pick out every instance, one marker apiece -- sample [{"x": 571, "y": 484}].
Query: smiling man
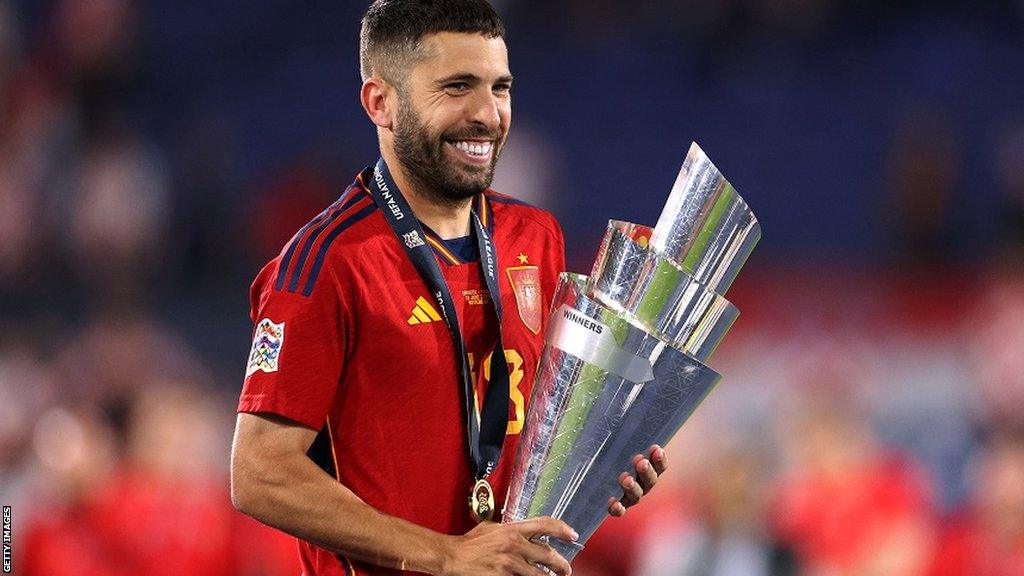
[{"x": 398, "y": 333}]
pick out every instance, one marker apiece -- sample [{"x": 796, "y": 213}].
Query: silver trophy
[{"x": 623, "y": 365}]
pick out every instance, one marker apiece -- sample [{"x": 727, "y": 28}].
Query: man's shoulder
[
  {"x": 513, "y": 211},
  {"x": 336, "y": 234}
]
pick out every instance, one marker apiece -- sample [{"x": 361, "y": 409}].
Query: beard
[{"x": 425, "y": 161}]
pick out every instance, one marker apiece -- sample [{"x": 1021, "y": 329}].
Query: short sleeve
[{"x": 295, "y": 361}]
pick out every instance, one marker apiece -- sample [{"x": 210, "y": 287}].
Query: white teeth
[{"x": 474, "y": 148}]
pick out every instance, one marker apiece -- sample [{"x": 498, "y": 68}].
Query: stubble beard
[{"x": 425, "y": 162}]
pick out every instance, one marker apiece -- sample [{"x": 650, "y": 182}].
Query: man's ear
[{"x": 378, "y": 99}]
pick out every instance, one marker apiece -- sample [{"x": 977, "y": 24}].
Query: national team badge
[
  {"x": 526, "y": 286},
  {"x": 412, "y": 239},
  {"x": 266, "y": 347}
]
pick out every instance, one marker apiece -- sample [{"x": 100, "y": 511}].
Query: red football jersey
[{"x": 349, "y": 341}]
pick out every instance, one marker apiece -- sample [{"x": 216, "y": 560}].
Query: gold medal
[{"x": 481, "y": 501}]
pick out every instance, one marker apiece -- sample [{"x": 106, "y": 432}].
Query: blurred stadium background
[{"x": 153, "y": 154}]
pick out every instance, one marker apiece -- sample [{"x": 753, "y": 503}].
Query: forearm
[
  {"x": 273, "y": 481},
  {"x": 290, "y": 493}
]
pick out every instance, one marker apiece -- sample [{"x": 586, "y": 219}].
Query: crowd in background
[{"x": 871, "y": 417}]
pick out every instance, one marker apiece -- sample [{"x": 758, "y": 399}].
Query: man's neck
[{"x": 448, "y": 219}]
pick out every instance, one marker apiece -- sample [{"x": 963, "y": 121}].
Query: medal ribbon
[{"x": 486, "y": 430}]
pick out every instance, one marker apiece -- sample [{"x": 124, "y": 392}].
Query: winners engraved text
[{"x": 587, "y": 323}]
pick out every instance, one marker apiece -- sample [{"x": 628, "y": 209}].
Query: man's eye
[
  {"x": 502, "y": 88},
  {"x": 458, "y": 86}
]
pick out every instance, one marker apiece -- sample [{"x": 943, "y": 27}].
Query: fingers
[
  {"x": 518, "y": 567},
  {"x": 546, "y": 526},
  {"x": 645, "y": 473},
  {"x": 631, "y": 490},
  {"x": 541, "y": 553},
  {"x": 658, "y": 458},
  {"x": 615, "y": 508},
  {"x": 511, "y": 549},
  {"x": 524, "y": 568}
]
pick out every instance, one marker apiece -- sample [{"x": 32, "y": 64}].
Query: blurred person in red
[
  {"x": 398, "y": 333},
  {"x": 845, "y": 506},
  {"x": 160, "y": 509},
  {"x": 69, "y": 531},
  {"x": 172, "y": 511},
  {"x": 987, "y": 539}
]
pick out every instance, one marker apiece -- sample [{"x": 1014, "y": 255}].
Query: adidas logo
[{"x": 423, "y": 313}]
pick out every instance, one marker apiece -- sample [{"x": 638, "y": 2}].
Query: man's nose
[{"x": 486, "y": 109}]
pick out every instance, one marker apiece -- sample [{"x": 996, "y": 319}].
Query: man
[{"x": 398, "y": 334}]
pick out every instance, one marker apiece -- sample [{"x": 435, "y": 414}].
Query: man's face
[{"x": 454, "y": 114}]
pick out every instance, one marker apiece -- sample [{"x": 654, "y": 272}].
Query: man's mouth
[{"x": 473, "y": 151}]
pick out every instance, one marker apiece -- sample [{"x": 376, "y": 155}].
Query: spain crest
[
  {"x": 526, "y": 286},
  {"x": 266, "y": 347}
]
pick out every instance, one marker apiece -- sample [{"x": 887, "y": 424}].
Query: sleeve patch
[{"x": 266, "y": 347}]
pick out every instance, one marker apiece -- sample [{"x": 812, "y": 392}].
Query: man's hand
[
  {"x": 507, "y": 549},
  {"x": 647, "y": 472}
]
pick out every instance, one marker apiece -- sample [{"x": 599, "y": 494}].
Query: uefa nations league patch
[{"x": 266, "y": 347}]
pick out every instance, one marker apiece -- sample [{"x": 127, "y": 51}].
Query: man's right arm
[{"x": 274, "y": 481}]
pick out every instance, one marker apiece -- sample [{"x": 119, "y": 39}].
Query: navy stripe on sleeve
[
  {"x": 282, "y": 268},
  {"x": 294, "y": 283},
  {"x": 322, "y": 252}
]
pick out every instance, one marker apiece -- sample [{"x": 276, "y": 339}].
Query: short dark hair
[{"x": 392, "y": 29}]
